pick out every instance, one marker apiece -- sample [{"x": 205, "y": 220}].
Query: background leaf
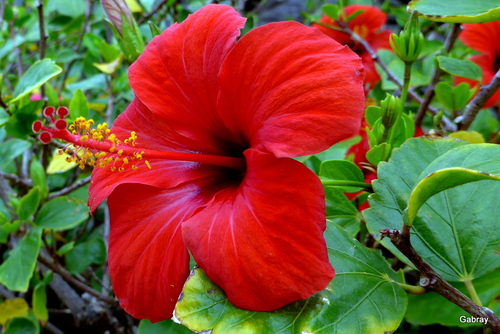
[
  {"x": 16, "y": 271},
  {"x": 460, "y": 68},
  {"x": 62, "y": 213},
  {"x": 39, "y": 73}
]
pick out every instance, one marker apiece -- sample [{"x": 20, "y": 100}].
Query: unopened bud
[
  {"x": 124, "y": 28},
  {"x": 391, "y": 109},
  {"x": 410, "y": 42}
]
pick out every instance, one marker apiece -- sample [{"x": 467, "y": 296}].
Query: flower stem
[
  {"x": 413, "y": 289},
  {"x": 406, "y": 82}
]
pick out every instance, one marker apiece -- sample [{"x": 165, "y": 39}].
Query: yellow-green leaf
[
  {"x": 111, "y": 67},
  {"x": 12, "y": 308}
]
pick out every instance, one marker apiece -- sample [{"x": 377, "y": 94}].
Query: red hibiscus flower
[
  {"x": 483, "y": 38},
  {"x": 367, "y": 25},
  {"x": 200, "y": 161}
]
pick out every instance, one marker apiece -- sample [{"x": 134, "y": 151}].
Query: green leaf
[
  {"x": 22, "y": 325},
  {"x": 62, "y": 213},
  {"x": 84, "y": 254},
  {"x": 19, "y": 125},
  {"x": 39, "y": 302},
  {"x": 341, "y": 170},
  {"x": 16, "y": 271},
  {"x": 66, "y": 248},
  {"x": 372, "y": 113},
  {"x": 11, "y": 149},
  {"x": 332, "y": 11},
  {"x": 455, "y": 230},
  {"x": 460, "y": 68},
  {"x": 444, "y": 94},
  {"x": 155, "y": 31},
  {"x": 432, "y": 308},
  {"x": 28, "y": 205},
  {"x": 162, "y": 327},
  {"x": 4, "y": 117},
  {"x": 79, "y": 107},
  {"x": 52, "y": 95},
  {"x": 457, "y": 11},
  {"x": 378, "y": 153},
  {"x": 439, "y": 181},
  {"x": 341, "y": 211},
  {"x": 38, "y": 177},
  {"x": 39, "y": 73},
  {"x": 362, "y": 298}
]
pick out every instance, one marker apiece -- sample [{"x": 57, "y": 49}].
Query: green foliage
[
  {"x": 457, "y": 11},
  {"x": 62, "y": 213},
  {"x": 39, "y": 73},
  {"x": 460, "y": 68},
  {"x": 454, "y": 230},
  {"x": 17, "y": 270}
]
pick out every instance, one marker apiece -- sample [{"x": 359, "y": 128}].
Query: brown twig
[
  {"x": 88, "y": 14},
  {"x": 67, "y": 190},
  {"x": 485, "y": 92},
  {"x": 433, "y": 282},
  {"x": 73, "y": 281},
  {"x": 43, "y": 37},
  {"x": 16, "y": 179},
  {"x": 436, "y": 75}
]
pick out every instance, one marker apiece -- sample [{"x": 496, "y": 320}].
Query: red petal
[
  {"x": 148, "y": 261},
  {"x": 176, "y": 76},
  {"x": 154, "y": 134},
  {"x": 371, "y": 17},
  {"x": 482, "y": 37},
  {"x": 262, "y": 241},
  {"x": 295, "y": 90},
  {"x": 341, "y": 37}
]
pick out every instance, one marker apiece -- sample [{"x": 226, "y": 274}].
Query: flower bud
[
  {"x": 410, "y": 42},
  {"x": 391, "y": 109},
  {"x": 124, "y": 28}
]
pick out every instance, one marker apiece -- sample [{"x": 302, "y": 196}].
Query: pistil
[{"x": 101, "y": 148}]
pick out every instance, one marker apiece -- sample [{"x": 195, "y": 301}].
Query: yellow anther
[
  {"x": 147, "y": 164},
  {"x": 120, "y": 152},
  {"x": 113, "y": 168},
  {"x": 125, "y": 161},
  {"x": 112, "y": 149},
  {"x": 121, "y": 169},
  {"x": 134, "y": 167},
  {"x": 84, "y": 138}
]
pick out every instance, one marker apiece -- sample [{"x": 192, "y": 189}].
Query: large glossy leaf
[
  {"x": 457, "y": 11},
  {"x": 441, "y": 180},
  {"x": 16, "y": 271},
  {"x": 62, "y": 213},
  {"x": 455, "y": 231},
  {"x": 362, "y": 298},
  {"x": 39, "y": 73}
]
